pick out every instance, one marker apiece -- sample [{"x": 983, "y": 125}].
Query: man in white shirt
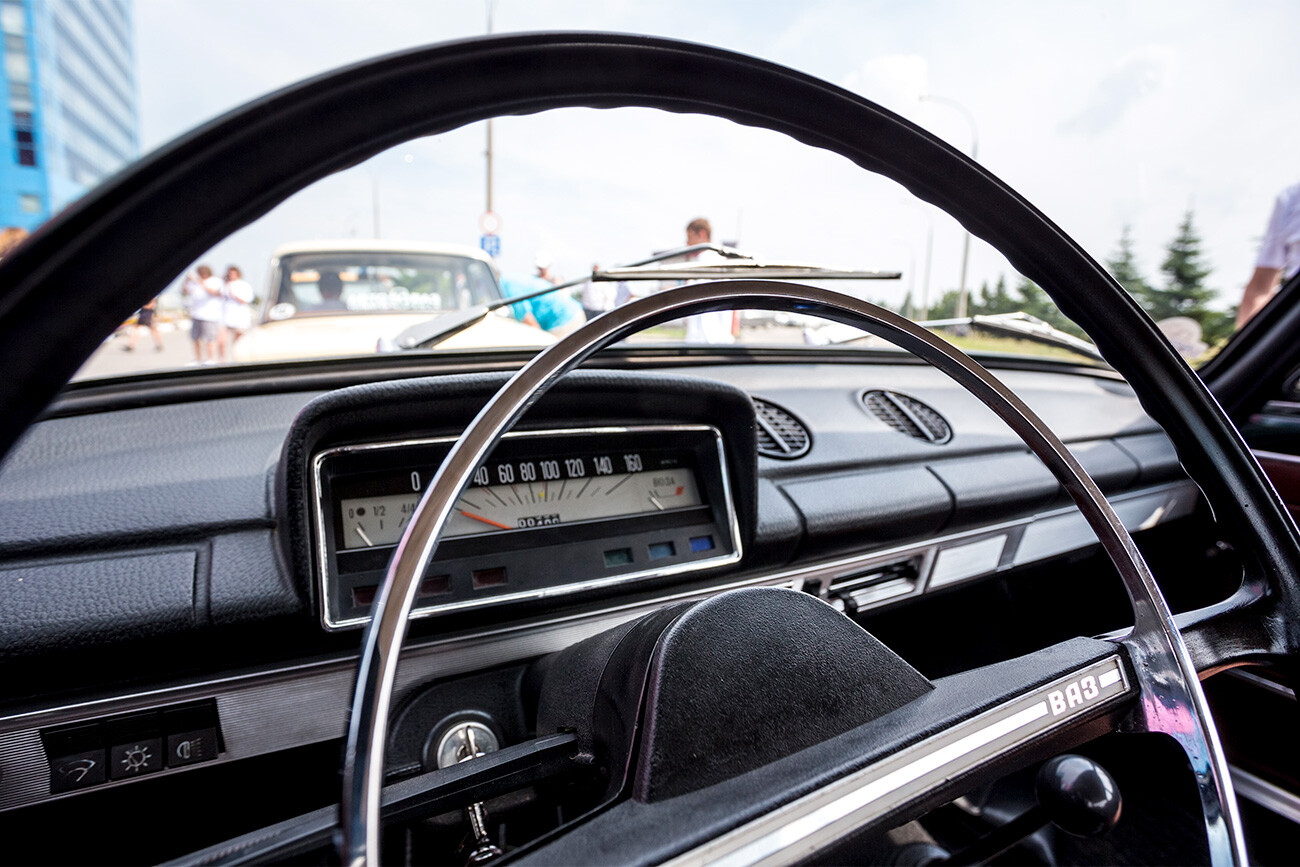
[
  {"x": 717, "y": 326},
  {"x": 202, "y": 293},
  {"x": 1279, "y": 255}
]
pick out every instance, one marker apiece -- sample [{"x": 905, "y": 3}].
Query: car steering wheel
[{"x": 245, "y": 163}]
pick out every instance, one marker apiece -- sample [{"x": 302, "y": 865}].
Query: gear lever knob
[{"x": 1078, "y": 795}]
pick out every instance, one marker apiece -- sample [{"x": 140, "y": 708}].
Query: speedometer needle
[{"x": 486, "y": 520}]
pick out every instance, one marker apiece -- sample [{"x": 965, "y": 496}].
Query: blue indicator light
[{"x": 701, "y": 543}]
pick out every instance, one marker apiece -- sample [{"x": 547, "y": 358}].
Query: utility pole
[{"x": 962, "y": 294}]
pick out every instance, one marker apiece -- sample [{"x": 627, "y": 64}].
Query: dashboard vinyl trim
[{"x": 294, "y": 705}]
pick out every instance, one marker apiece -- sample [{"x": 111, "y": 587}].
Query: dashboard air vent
[
  {"x": 780, "y": 435},
  {"x": 908, "y": 415}
]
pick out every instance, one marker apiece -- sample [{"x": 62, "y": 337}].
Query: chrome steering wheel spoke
[{"x": 1168, "y": 689}]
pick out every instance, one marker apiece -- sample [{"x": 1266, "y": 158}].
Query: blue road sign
[{"x": 491, "y": 244}]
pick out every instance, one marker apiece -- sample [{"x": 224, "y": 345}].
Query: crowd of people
[{"x": 220, "y": 311}]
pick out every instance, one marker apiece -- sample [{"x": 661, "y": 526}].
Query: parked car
[
  {"x": 329, "y": 298},
  {"x": 722, "y": 604}
]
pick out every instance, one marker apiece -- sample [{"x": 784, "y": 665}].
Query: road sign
[
  {"x": 489, "y": 223},
  {"x": 491, "y": 244}
]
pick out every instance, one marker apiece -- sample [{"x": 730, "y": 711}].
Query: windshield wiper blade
[
  {"x": 729, "y": 270},
  {"x": 1019, "y": 324}
]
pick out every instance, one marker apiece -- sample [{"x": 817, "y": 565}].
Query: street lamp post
[
  {"x": 962, "y": 293},
  {"x": 488, "y": 152}
]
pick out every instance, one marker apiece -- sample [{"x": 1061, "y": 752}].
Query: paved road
[{"x": 111, "y": 359}]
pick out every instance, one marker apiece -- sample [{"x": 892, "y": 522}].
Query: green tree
[
  {"x": 1037, "y": 303},
  {"x": 1124, "y": 268},
  {"x": 945, "y": 307},
  {"x": 999, "y": 300},
  {"x": 1184, "y": 292}
]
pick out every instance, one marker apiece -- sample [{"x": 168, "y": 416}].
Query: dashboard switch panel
[{"x": 123, "y": 748}]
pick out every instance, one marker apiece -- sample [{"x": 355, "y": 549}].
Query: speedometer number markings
[{"x": 529, "y": 493}]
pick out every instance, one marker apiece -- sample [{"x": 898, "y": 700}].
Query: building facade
[{"x": 68, "y": 89}]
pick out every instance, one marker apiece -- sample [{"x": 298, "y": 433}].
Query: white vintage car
[{"x": 329, "y": 298}]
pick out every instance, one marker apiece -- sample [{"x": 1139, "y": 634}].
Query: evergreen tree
[
  {"x": 999, "y": 300},
  {"x": 1184, "y": 292},
  {"x": 1123, "y": 267},
  {"x": 946, "y": 306},
  {"x": 1036, "y": 302}
]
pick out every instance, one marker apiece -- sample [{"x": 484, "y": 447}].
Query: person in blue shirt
[{"x": 557, "y": 313}]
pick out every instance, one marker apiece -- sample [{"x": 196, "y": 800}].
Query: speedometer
[
  {"x": 546, "y": 513},
  {"x": 527, "y": 494}
]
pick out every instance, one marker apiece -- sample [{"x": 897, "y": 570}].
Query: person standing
[
  {"x": 556, "y": 313},
  {"x": 1279, "y": 255},
  {"x": 717, "y": 326},
  {"x": 202, "y": 293},
  {"x": 236, "y": 309},
  {"x": 145, "y": 319},
  {"x": 597, "y": 295}
]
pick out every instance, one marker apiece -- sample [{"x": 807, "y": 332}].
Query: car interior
[{"x": 615, "y": 602}]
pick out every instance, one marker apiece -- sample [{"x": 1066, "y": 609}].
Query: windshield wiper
[
  {"x": 425, "y": 335},
  {"x": 1021, "y": 324},
  {"x": 1018, "y": 324}
]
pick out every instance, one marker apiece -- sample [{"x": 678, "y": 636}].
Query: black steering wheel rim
[{"x": 104, "y": 257}]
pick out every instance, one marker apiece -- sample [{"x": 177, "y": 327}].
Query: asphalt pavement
[{"x": 112, "y": 359}]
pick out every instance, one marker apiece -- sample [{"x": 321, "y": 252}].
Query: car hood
[{"x": 326, "y": 335}]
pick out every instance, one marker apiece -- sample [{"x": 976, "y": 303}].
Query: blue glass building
[{"x": 68, "y": 89}]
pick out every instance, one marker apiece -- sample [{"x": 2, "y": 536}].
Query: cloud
[{"x": 1137, "y": 75}]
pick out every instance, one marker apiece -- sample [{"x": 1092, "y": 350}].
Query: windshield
[
  {"x": 371, "y": 281},
  {"x": 1119, "y": 134}
]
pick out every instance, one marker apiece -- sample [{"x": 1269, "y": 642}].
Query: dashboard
[{"x": 193, "y": 573}]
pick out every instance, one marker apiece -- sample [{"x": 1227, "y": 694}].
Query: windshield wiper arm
[
  {"x": 1022, "y": 325},
  {"x": 1019, "y": 324},
  {"x": 424, "y": 335}
]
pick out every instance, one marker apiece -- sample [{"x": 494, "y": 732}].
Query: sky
[{"x": 1103, "y": 114}]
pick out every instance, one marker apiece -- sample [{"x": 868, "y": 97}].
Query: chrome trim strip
[
  {"x": 330, "y": 624},
  {"x": 1267, "y": 795},
  {"x": 808, "y": 825},
  {"x": 1263, "y": 683}
]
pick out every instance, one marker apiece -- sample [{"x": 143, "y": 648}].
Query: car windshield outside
[
  {"x": 332, "y": 282},
  {"x": 1114, "y": 135}
]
